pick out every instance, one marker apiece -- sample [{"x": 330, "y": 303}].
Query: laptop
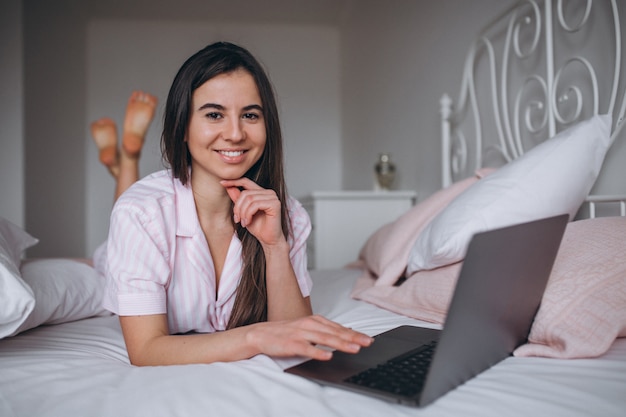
[{"x": 497, "y": 295}]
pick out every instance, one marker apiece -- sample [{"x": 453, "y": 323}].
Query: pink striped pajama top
[{"x": 158, "y": 260}]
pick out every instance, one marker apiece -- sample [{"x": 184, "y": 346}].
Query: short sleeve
[
  {"x": 137, "y": 267},
  {"x": 300, "y": 231}
]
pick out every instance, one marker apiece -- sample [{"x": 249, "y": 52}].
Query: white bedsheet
[{"x": 81, "y": 369}]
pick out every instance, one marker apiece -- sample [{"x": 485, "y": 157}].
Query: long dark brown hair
[{"x": 215, "y": 59}]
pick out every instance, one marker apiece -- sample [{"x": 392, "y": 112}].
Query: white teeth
[{"x": 231, "y": 153}]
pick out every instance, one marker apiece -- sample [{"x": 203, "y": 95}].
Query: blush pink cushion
[
  {"x": 425, "y": 295},
  {"x": 583, "y": 308},
  {"x": 386, "y": 252}
]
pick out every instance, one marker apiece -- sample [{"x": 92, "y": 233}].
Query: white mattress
[{"x": 81, "y": 369}]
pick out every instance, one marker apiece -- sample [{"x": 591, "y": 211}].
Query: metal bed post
[{"x": 445, "y": 108}]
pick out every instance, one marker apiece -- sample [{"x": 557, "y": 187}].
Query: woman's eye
[
  {"x": 214, "y": 115},
  {"x": 251, "y": 116}
]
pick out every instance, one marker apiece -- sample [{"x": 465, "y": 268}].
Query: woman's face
[{"x": 226, "y": 134}]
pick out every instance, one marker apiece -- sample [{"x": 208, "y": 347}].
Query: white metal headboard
[{"x": 531, "y": 72}]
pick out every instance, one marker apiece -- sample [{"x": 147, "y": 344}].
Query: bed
[{"x": 61, "y": 354}]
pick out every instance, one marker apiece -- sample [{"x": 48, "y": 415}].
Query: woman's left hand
[{"x": 256, "y": 209}]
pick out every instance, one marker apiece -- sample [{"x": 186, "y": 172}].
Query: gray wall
[
  {"x": 353, "y": 77},
  {"x": 54, "y": 118},
  {"x": 398, "y": 61},
  {"x": 11, "y": 113}
]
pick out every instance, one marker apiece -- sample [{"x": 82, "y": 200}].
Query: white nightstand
[{"x": 344, "y": 220}]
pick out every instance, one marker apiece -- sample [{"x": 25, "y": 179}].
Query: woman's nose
[{"x": 234, "y": 130}]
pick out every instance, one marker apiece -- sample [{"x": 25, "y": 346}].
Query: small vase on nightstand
[{"x": 385, "y": 171}]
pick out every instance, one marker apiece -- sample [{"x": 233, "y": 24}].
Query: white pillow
[
  {"x": 14, "y": 241},
  {"x": 16, "y": 297},
  {"x": 550, "y": 179},
  {"x": 64, "y": 290}
]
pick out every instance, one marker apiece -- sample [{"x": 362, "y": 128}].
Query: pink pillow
[
  {"x": 425, "y": 295},
  {"x": 386, "y": 252},
  {"x": 583, "y": 308}
]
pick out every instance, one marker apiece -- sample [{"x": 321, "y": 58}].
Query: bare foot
[
  {"x": 104, "y": 133},
  {"x": 139, "y": 114}
]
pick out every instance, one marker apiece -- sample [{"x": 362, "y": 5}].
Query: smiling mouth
[{"x": 231, "y": 154}]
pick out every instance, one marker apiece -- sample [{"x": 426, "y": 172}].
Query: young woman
[{"x": 206, "y": 261}]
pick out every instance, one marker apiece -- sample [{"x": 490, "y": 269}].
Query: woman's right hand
[{"x": 305, "y": 337}]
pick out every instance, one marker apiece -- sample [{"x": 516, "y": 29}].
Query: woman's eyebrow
[
  {"x": 211, "y": 106},
  {"x": 220, "y": 107},
  {"x": 253, "y": 107}
]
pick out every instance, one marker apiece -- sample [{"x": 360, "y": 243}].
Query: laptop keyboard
[{"x": 402, "y": 375}]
